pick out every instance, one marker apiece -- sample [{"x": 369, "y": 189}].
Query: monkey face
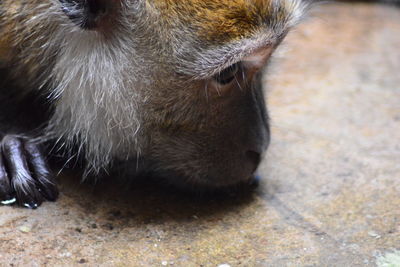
[
  {"x": 208, "y": 125},
  {"x": 209, "y": 132},
  {"x": 176, "y": 84},
  {"x": 215, "y": 133}
]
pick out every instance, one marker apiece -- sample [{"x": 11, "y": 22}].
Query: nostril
[{"x": 254, "y": 157}]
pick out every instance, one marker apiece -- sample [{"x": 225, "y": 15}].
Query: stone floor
[{"x": 330, "y": 194}]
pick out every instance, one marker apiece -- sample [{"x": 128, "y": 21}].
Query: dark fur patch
[{"x": 85, "y": 13}]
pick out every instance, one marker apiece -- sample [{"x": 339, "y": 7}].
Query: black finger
[
  {"x": 6, "y": 193},
  {"x": 41, "y": 171},
  {"x": 24, "y": 185}
]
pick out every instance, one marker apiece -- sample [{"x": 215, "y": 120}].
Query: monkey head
[{"x": 173, "y": 84}]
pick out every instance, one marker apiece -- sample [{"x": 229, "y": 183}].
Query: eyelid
[
  {"x": 258, "y": 58},
  {"x": 231, "y": 70}
]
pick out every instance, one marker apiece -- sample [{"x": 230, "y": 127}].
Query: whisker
[
  {"x": 217, "y": 89},
  {"x": 206, "y": 90},
  {"x": 238, "y": 83}
]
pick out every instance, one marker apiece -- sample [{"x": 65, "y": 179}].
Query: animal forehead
[{"x": 224, "y": 20}]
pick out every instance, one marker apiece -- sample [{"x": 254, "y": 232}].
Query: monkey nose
[
  {"x": 254, "y": 158},
  {"x": 250, "y": 164}
]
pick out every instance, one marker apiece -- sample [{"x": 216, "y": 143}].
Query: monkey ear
[{"x": 88, "y": 14}]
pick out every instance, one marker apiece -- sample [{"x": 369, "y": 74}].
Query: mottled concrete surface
[{"x": 330, "y": 194}]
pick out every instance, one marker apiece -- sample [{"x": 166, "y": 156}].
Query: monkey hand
[{"x": 25, "y": 177}]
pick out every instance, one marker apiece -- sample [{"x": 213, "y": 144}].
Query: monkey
[{"x": 170, "y": 87}]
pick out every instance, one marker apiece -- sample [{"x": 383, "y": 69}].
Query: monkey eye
[{"x": 227, "y": 75}]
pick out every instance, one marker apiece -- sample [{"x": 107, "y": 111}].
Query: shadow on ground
[{"x": 148, "y": 199}]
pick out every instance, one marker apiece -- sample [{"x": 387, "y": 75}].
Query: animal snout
[
  {"x": 249, "y": 164},
  {"x": 242, "y": 168},
  {"x": 253, "y": 158}
]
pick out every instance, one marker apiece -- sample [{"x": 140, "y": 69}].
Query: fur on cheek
[{"x": 96, "y": 90}]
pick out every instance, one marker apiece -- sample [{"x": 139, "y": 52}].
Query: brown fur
[{"x": 221, "y": 21}]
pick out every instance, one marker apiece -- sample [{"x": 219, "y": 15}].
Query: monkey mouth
[{"x": 204, "y": 186}]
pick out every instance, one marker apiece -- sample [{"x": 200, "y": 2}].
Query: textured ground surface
[{"x": 330, "y": 194}]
